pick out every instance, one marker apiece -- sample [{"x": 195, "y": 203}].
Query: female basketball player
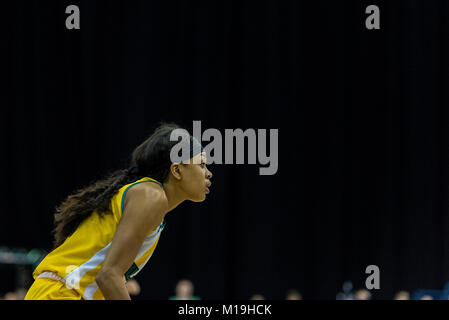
[{"x": 106, "y": 232}]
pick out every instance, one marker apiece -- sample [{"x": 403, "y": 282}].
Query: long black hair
[{"x": 150, "y": 159}]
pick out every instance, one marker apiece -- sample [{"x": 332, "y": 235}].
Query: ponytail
[{"x": 83, "y": 202}]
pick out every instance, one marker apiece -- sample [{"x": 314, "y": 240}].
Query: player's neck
[{"x": 173, "y": 196}]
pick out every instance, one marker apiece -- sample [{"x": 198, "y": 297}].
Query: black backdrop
[{"x": 363, "y": 134}]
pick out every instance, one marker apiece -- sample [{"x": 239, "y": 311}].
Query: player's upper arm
[{"x": 144, "y": 210}]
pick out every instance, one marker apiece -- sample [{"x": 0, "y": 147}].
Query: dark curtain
[{"x": 363, "y": 134}]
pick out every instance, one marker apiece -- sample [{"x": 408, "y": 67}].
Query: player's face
[{"x": 196, "y": 178}]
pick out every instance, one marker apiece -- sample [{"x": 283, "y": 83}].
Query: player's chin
[{"x": 200, "y": 197}]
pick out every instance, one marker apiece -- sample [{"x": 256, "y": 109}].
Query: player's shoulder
[{"x": 148, "y": 194}]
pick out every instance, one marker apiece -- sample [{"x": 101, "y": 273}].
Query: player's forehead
[{"x": 199, "y": 158}]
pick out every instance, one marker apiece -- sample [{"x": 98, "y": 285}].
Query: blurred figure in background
[
  {"x": 347, "y": 293},
  {"x": 19, "y": 294},
  {"x": 257, "y": 296},
  {"x": 362, "y": 294},
  {"x": 184, "y": 291},
  {"x": 133, "y": 287},
  {"x": 293, "y": 294},
  {"x": 402, "y": 295}
]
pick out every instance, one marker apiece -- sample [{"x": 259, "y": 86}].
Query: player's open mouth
[{"x": 207, "y": 190}]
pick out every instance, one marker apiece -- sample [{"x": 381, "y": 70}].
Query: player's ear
[{"x": 175, "y": 169}]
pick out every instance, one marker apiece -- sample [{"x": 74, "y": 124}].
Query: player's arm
[{"x": 144, "y": 210}]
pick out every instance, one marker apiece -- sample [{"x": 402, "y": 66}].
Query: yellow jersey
[{"x": 80, "y": 257}]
